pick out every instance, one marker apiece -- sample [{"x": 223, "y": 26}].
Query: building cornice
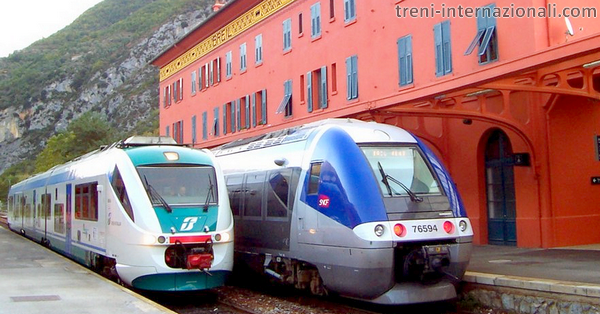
[{"x": 245, "y": 21}]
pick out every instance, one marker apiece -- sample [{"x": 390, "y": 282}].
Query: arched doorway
[{"x": 500, "y": 190}]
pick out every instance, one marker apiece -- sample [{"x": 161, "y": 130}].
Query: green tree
[
  {"x": 14, "y": 174},
  {"x": 56, "y": 151},
  {"x": 83, "y": 135}
]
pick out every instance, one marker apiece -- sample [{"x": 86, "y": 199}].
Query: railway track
[
  {"x": 238, "y": 300},
  {"x": 261, "y": 300}
]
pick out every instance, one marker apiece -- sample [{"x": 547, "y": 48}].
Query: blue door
[{"x": 500, "y": 190}]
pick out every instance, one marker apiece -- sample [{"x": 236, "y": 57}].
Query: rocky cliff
[{"x": 125, "y": 90}]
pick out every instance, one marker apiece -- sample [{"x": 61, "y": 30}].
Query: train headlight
[
  {"x": 171, "y": 156},
  {"x": 462, "y": 225},
  {"x": 148, "y": 239},
  {"x": 222, "y": 237},
  {"x": 379, "y": 230},
  {"x": 161, "y": 239}
]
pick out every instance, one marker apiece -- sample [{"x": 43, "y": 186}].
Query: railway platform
[
  {"x": 34, "y": 279},
  {"x": 557, "y": 280}
]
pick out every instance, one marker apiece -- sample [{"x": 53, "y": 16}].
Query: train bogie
[{"x": 367, "y": 212}]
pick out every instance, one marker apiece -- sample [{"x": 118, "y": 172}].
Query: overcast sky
[{"x": 22, "y": 22}]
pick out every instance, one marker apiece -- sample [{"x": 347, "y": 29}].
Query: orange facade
[{"x": 510, "y": 104}]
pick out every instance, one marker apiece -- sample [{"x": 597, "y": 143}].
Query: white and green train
[{"x": 151, "y": 213}]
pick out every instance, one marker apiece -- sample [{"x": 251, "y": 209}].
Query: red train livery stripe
[{"x": 190, "y": 239}]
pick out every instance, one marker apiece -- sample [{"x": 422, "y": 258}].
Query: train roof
[
  {"x": 58, "y": 172},
  {"x": 356, "y": 129}
]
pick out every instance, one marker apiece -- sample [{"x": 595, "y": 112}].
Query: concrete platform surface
[
  {"x": 574, "y": 271},
  {"x": 34, "y": 279}
]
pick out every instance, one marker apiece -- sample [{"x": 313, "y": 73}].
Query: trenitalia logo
[
  {"x": 188, "y": 223},
  {"x": 512, "y": 11}
]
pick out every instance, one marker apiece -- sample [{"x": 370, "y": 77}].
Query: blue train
[
  {"x": 358, "y": 209},
  {"x": 150, "y": 213}
]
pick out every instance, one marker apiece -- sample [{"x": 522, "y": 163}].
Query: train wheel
[{"x": 316, "y": 285}]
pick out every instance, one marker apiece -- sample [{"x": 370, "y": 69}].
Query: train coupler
[
  {"x": 437, "y": 257},
  {"x": 196, "y": 260}
]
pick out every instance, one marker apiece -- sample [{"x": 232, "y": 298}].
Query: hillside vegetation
[
  {"x": 96, "y": 65},
  {"x": 100, "y": 37}
]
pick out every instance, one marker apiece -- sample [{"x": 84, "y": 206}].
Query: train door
[
  {"x": 278, "y": 196},
  {"x": 307, "y": 217},
  {"x": 500, "y": 186},
  {"x": 46, "y": 201},
  {"x": 68, "y": 219},
  {"x": 19, "y": 203}
]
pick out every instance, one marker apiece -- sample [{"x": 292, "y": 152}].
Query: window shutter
[
  {"x": 211, "y": 73},
  {"x": 204, "y": 126},
  {"x": 180, "y": 88},
  {"x": 233, "y": 114},
  {"x": 224, "y": 119},
  {"x": 247, "y": 111},
  {"x": 346, "y": 10},
  {"x": 323, "y": 96},
  {"x": 349, "y": 78},
  {"x": 439, "y": 58},
  {"x": 354, "y": 60},
  {"x": 405, "y": 60},
  {"x": 263, "y": 100},
  {"x": 254, "y": 118},
  {"x": 207, "y": 75},
  {"x": 216, "y": 121},
  {"x": 194, "y": 129},
  {"x": 309, "y": 98},
  {"x": 447, "y": 48},
  {"x": 409, "y": 63},
  {"x": 238, "y": 114}
]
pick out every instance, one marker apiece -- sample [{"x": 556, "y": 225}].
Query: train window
[
  {"x": 403, "y": 164},
  {"x": 254, "y": 194},
  {"x": 86, "y": 201},
  {"x": 278, "y": 189},
  {"x": 46, "y": 200},
  {"x": 121, "y": 192},
  {"x": 180, "y": 185},
  {"x": 28, "y": 211},
  {"x": 20, "y": 204},
  {"x": 313, "y": 180},
  {"x": 59, "y": 218},
  {"x": 234, "y": 186}
]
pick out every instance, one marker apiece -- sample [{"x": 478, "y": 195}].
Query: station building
[{"x": 508, "y": 100}]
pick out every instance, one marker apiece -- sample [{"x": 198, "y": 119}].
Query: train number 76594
[{"x": 425, "y": 228}]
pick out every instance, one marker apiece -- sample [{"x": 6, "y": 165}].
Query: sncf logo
[
  {"x": 323, "y": 201},
  {"x": 188, "y": 223}
]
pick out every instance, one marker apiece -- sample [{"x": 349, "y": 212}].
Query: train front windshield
[
  {"x": 179, "y": 185},
  {"x": 401, "y": 170}
]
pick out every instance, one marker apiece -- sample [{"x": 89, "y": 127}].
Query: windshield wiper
[
  {"x": 209, "y": 195},
  {"x": 155, "y": 196},
  {"x": 386, "y": 177}
]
